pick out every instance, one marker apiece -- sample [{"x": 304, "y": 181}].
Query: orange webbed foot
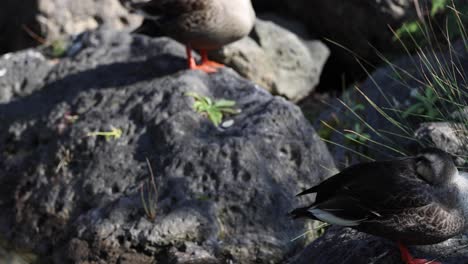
[
  {"x": 206, "y": 65},
  {"x": 408, "y": 259},
  {"x": 213, "y": 64},
  {"x": 208, "y": 62},
  {"x": 202, "y": 67}
]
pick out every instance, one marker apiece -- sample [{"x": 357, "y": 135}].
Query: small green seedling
[
  {"x": 357, "y": 134},
  {"x": 69, "y": 118},
  {"x": 313, "y": 231},
  {"x": 115, "y": 133},
  {"x": 425, "y": 105},
  {"x": 149, "y": 195},
  {"x": 58, "y": 48},
  {"x": 213, "y": 109}
]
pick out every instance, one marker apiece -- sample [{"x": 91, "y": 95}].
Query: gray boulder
[
  {"x": 22, "y": 73},
  {"x": 278, "y": 59},
  {"x": 448, "y": 136},
  {"x": 223, "y": 194}
]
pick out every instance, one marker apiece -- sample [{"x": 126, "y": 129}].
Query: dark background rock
[
  {"x": 360, "y": 26},
  {"x": 223, "y": 193},
  {"x": 13, "y": 15},
  {"x": 347, "y": 246},
  {"x": 27, "y": 23},
  {"x": 392, "y": 89}
]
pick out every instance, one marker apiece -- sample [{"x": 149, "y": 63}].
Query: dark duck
[
  {"x": 199, "y": 24},
  {"x": 416, "y": 200}
]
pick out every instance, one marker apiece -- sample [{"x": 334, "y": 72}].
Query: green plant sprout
[
  {"x": 425, "y": 105},
  {"x": 149, "y": 195},
  {"x": 417, "y": 29},
  {"x": 313, "y": 231},
  {"x": 69, "y": 118},
  {"x": 58, "y": 48},
  {"x": 357, "y": 134},
  {"x": 115, "y": 133},
  {"x": 213, "y": 109}
]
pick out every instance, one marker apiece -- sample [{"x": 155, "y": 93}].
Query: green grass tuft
[{"x": 433, "y": 82}]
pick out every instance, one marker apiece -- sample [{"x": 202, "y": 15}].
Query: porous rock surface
[
  {"x": 223, "y": 193},
  {"x": 278, "y": 59}
]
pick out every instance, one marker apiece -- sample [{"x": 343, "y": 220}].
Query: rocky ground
[
  {"x": 222, "y": 192},
  {"x": 70, "y": 194}
]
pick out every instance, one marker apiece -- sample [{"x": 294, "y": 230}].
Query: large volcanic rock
[
  {"x": 223, "y": 193},
  {"x": 278, "y": 59}
]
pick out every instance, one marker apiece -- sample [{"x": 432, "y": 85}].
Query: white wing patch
[
  {"x": 461, "y": 181},
  {"x": 328, "y": 217}
]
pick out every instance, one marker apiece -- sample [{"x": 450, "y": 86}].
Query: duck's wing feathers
[{"x": 367, "y": 191}]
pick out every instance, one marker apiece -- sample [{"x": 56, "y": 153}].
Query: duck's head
[{"x": 436, "y": 166}]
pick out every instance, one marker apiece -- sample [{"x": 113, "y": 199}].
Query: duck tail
[
  {"x": 314, "y": 189},
  {"x": 302, "y": 212}
]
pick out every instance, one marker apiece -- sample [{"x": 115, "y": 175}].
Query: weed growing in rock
[
  {"x": 418, "y": 31},
  {"x": 214, "y": 110},
  {"x": 314, "y": 230},
  {"x": 425, "y": 105},
  {"x": 58, "y": 48},
  {"x": 54, "y": 49},
  {"x": 115, "y": 133},
  {"x": 67, "y": 119},
  {"x": 149, "y": 195}
]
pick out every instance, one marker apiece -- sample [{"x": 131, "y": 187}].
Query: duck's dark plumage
[
  {"x": 414, "y": 200},
  {"x": 199, "y": 24},
  {"x": 202, "y": 24}
]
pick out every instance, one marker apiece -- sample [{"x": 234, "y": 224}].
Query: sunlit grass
[{"x": 435, "y": 84}]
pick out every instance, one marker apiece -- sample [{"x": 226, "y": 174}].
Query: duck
[
  {"x": 414, "y": 200},
  {"x": 203, "y": 25}
]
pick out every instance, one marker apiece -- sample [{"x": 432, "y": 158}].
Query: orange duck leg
[{"x": 408, "y": 259}]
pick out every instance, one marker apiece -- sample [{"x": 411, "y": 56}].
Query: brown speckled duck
[
  {"x": 199, "y": 24},
  {"x": 416, "y": 200}
]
